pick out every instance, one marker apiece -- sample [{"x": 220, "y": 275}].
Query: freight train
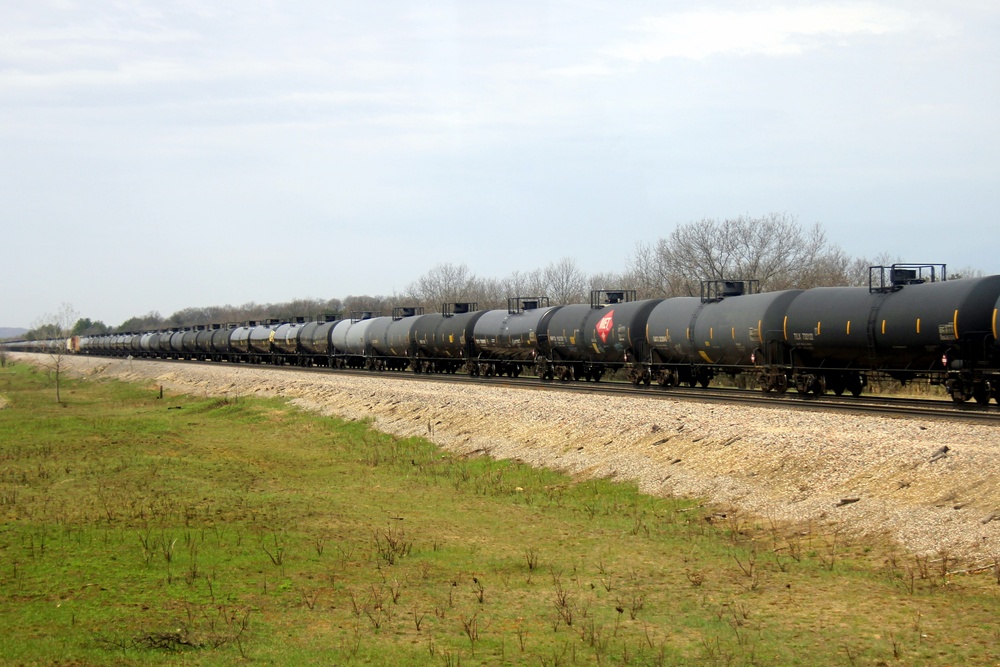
[{"x": 909, "y": 323}]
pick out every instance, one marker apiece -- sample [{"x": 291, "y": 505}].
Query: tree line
[{"x": 774, "y": 249}]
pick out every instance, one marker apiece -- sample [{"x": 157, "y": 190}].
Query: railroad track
[{"x": 885, "y": 406}]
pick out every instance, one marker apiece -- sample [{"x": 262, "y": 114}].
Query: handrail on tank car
[
  {"x": 599, "y": 298},
  {"x": 459, "y": 308},
  {"x": 717, "y": 290},
  {"x": 519, "y": 304},
  {"x": 399, "y": 312},
  {"x": 896, "y": 276}
]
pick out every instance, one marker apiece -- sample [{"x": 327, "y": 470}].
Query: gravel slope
[{"x": 777, "y": 464}]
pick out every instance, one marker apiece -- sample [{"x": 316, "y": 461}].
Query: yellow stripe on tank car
[
  {"x": 994, "y": 323},
  {"x": 918, "y": 325},
  {"x": 848, "y": 327},
  {"x": 760, "y": 334},
  {"x": 955, "y": 322},
  {"x": 734, "y": 333},
  {"x": 883, "y": 327},
  {"x": 785, "y": 327},
  {"x": 705, "y": 356},
  {"x": 819, "y": 326}
]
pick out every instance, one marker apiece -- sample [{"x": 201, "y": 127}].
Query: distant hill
[{"x": 11, "y": 332}]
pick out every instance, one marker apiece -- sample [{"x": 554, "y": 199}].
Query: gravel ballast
[{"x": 781, "y": 465}]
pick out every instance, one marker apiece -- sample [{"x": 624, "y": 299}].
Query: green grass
[{"x": 193, "y": 530}]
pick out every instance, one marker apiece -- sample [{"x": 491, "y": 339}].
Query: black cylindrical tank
[
  {"x": 518, "y": 335},
  {"x": 261, "y": 337},
  {"x": 618, "y": 331},
  {"x": 203, "y": 341},
  {"x": 399, "y": 337},
  {"x": 905, "y": 328},
  {"x": 239, "y": 339},
  {"x": 286, "y": 337},
  {"x": 220, "y": 340},
  {"x": 189, "y": 343},
  {"x": 566, "y": 331},
  {"x": 315, "y": 337},
  {"x": 354, "y": 337},
  {"x": 145, "y": 341},
  {"x": 669, "y": 330},
  {"x": 728, "y": 331},
  {"x": 338, "y": 335},
  {"x": 176, "y": 344},
  {"x": 373, "y": 336},
  {"x": 156, "y": 343},
  {"x": 447, "y": 335}
]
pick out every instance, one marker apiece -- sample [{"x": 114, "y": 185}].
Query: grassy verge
[{"x": 205, "y": 531}]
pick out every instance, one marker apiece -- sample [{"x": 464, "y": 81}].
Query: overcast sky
[{"x": 155, "y": 156}]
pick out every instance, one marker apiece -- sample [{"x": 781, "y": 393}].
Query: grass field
[{"x": 136, "y": 530}]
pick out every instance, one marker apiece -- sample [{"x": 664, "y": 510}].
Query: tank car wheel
[{"x": 981, "y": 393}]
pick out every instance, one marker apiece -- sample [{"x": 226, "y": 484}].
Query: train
[{"x": 910, "y": 323}]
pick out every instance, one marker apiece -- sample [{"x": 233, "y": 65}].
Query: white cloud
[{"x": 777, "y": 31}]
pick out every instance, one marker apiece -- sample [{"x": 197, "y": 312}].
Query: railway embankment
[{"x": 931, "y": 485}]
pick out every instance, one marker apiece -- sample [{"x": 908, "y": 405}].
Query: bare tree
[
  {"x": 565, "y": 282},
  {"x": 364, "y": 302},
  {"x": 445, "y": 283},
  {"x": 773, "y": 249},
  {"x": 59, "y": 325},
  {"x": 966, "y": 272}
]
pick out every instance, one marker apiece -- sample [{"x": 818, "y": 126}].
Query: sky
[{"x": 158, "y": 156}]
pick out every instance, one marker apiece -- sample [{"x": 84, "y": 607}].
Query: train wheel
[{"x": 981, "y": 393}]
